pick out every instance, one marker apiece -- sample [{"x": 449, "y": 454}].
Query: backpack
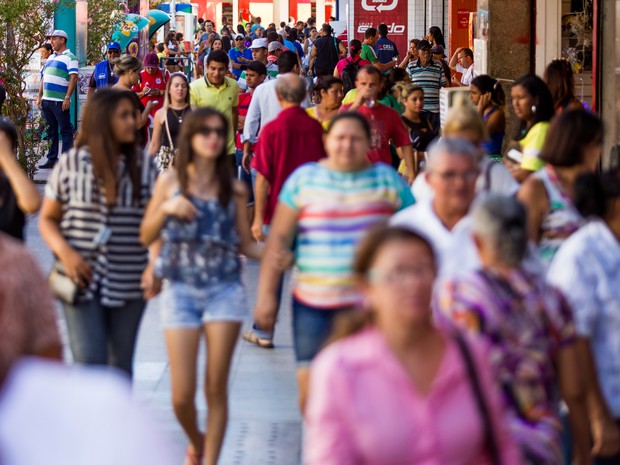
[{"x": 348, "y": 75}]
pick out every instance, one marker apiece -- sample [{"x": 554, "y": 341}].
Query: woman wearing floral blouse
[{"x": 530, "y": 330}]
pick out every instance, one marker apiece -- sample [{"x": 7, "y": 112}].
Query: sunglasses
[
  {"x": 208, "y": 130},
  {"x": 114, "y": 52},
  {"x": 239, "y": 38}
]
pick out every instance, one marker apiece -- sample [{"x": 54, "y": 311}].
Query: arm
[
  {"x": 605, "y": 432},
  {"x": 497, "y": 122},
  {"x": 534, "y": 198},
  {"x": 27, "y": 195},
  {"x": 279, "y": 242},
  {"x": 573, "y": 391},
  {"x": 235, "y": 116},
  {"x": 158, "y": 129},
  {"x": 406, "y": 152},
  {"x": 384, "y": 66},
  {"x": 40, "y": 96},
  {"x": 336, "y": 72},
  {"x": 261, "y": 190},
  {"x": 312, "y": 58},
  {"x": 248, "y": 246},
  {"x": 252, "y": 121},
  {"x": 72, "y": 83},
  {"x": 455, "y": 57}
]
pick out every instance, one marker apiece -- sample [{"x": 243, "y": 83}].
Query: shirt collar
[{"x": 211, "y": 85}]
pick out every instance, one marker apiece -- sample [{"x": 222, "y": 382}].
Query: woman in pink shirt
[{"x": 396, "y": 391}]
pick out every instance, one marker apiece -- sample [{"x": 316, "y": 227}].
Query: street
[{"x": 264, "y": 426}]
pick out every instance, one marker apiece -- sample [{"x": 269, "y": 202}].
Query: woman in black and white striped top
[{"x": 94, "y": 203}]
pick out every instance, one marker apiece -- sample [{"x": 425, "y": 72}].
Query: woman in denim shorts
[
  {"x": 329, "y": 206},
  {"x": 199, "y": 215}
]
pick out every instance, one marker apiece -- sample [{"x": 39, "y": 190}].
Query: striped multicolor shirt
[
  {"x": 335, "y": 210},
  {"x": 56, "y": 75},
  {"x": 430, "y": 78}
]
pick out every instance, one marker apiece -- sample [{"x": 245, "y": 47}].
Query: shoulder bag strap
[
  {"x": 168, "y": 131},
  {"x": 483, "y": 408}
]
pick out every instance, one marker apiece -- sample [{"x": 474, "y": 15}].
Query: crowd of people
[{"x": 455, "y": 297}]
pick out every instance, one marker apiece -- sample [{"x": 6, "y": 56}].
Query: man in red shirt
[
  {"x": 385, "y": 122},
  {"x": 290, "y": 140},
  {"x": 255, "y": 74},
  {"x": 152, "y": 84}
]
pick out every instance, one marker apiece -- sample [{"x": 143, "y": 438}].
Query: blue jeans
[
  {"x": 244, "y": 176},
  {"x": 57, "y": 119},
  {"x": 101, "y": 335}
]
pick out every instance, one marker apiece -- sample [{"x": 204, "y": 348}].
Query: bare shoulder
[{"x": 532, "y": 191}]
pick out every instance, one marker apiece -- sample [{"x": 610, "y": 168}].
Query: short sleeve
[
  {"x": 262, "y": 159},
  {"x": 235, "y": 100},
  {"x": 400, "y": 135},
  {"x": 405, "y": 195},
  {"x": 443, "y": 82},
  {"x": 289, "y": 195},
  {"x": 532, "y": 145},
  {"x": 57, "y": 187},
  {"x": 194, "y": 97},
  {"x": 73, "y": 65}
]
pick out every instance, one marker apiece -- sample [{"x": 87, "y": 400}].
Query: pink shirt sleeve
[
  {"x": 508, "y": 449},
  {"x": 328, "y": 439}
]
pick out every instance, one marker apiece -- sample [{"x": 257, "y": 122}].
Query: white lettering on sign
[
  {"x": 379, "y": 5},
  {"x": 396, "y": 29}
]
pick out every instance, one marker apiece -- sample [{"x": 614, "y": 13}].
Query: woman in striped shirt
[
  {"x": 94, "y": 203},
  {"x": 329, "y": 205}
]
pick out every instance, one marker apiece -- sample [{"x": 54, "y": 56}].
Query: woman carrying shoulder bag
[
  {"x": 168, "y": 121},
  {"x": 90, "y": 219}
]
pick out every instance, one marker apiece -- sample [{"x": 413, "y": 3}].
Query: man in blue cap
[{"x": 104, "y": 76}]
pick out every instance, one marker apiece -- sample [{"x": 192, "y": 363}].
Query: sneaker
[
  {"x": 49, "y": 164},
  {"x": 252, "y": 337}
]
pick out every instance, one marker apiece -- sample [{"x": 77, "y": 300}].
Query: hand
[
  {"x": 6, "y": 149},
  {"x": 257, "y": 229},
  {"x": 146, "y": 90},
  {"x": 246, "y": 161},
  {"x": 66, "y": 104},
  {"x": 180, "y": 207},
  {"x": 606, "y": 438},
  {"x": 76, "y": 268},
  {"x": 151, "y": 284},
  {"x": 484, "y": 101},
  {"x": 39, "y": 102},
  {"x": 410, "y": 178},
  {"x": 265, "y": 312}
]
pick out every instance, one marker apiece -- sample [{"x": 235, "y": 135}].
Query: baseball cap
[
  {"x": 424, "y": 44},
  {"x": 255, "y": 66},
  {"x": 114, "y": 46},
  {"x": 259, "y": 43},
  {"x": 275, "y": 45},
  {"x": 437, "y": 50},
  {"x": 239, "y": 36},
  {"x": 59, "y": 33},
  {"x": 151, "y": 60}
]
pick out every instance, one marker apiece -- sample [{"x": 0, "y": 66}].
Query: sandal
[{"x": 252, "y": 337}]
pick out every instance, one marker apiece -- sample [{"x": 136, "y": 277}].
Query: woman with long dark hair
[
  {"x": 198, "y": 213},
  {"x": 488, "y": 96},
  {"x": 532, "y": 104},
  {"x": 573, "y": 147},
  {"x": 560, "y": 80},
  {"x": 328, "y": 95},
  {"x": 18, "y": 195},
  {"x": 392, "y": 388},
  {"x": 94, "y": 203},
  {"x": 435, "y": 36},
  {"x": 168, "y": 121}
]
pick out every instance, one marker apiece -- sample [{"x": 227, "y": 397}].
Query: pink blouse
[{"x": 363, "y": 409}]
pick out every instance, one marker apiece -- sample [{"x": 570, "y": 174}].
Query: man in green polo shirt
[
  {"x": 219, "y": 92},
  {"x": 368, "y": 52}
]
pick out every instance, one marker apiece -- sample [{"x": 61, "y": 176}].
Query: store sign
[
  {"x": 463, "y": 19},
  {"x": 371, "y": 13}
]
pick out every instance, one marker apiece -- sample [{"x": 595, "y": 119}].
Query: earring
[{"x": 533, "y": 108}]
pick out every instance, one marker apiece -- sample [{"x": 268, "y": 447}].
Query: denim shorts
[
  {"x": 312, "y": 327},
  {"x": 186, "y": 306}
]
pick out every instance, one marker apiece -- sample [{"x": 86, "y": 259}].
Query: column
[
  {"x": 548, "y": 33},
  {"x": 320, "y": 13}
]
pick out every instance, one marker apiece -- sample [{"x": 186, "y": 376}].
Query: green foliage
[
  {"x": 103, "y": 17},
  {"x": 23, "y": 24}
]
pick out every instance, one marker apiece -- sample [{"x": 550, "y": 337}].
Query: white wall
[{"x": 548, "y": 33}]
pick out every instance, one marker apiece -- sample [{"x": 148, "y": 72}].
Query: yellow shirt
[
  {"x": 224, "y": 99},
  {"x": 531, "y": 146},
  {"x": 312, "y": 114},
  {"x": 350, "y": 97}
]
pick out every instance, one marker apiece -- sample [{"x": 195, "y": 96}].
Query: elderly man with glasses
[
  {"x": 239, "y": 55},
  {"x": 104, "y": 76}
]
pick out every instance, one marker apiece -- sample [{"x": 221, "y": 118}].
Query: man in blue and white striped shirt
[{"x": 59, "y": 81}]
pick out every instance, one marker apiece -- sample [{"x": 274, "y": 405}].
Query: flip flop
[{"x": 252, "y": 337}]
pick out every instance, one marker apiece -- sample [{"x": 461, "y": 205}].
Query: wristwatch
[{"x": 67, "y": 97}]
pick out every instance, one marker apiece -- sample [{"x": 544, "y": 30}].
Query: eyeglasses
[
  {"x": 114, "y": 52},
  {"x": 239, "y": 38},
  {"x": 208, "y": 130},
  {"x": 401, "y": 275},
  {"x": 451, "y": 176}
]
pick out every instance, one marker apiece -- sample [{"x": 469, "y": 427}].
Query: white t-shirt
[
  {"x": 52, "y": 414},
  {"x": 468, "y": 74}
]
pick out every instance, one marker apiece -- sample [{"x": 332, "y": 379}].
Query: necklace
[{"x": 179, "y": 117}]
